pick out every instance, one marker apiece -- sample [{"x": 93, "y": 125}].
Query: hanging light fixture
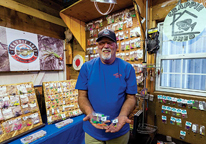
[
  {"x": 106, "y": 1},
  {"x": 111, "y": 2}
]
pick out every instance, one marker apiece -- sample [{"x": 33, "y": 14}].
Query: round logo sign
[
  {"x": 185, "y": 22},
  {"x": 23, "y": 51},
  {"x": 78, "y": 62}
]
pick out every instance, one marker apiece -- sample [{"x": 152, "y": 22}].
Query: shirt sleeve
[
  {"x": 82, "y": 78},
  {"x": 131, "y": 81}
]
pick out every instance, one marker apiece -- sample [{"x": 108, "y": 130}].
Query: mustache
[{"x": 106, "y": 49}]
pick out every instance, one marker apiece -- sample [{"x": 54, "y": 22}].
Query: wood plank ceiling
[{"x": 84, "y": 10}]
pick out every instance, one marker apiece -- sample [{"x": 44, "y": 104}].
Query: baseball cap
[{"x": 107, "y": 33}]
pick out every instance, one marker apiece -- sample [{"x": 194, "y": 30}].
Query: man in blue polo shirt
[{"x": 107, "y": 85}]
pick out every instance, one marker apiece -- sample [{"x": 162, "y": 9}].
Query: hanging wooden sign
[{"x": 185, "y": 22}]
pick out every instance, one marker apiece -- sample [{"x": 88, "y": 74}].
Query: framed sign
[
  {"x": 185, "y": 22},
  {"x": 24, "y": 51}
]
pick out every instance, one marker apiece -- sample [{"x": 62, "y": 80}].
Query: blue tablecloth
[{"x": 69, "y": 134}]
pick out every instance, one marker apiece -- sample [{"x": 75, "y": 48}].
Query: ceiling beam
[
  {"x": 47, "y": 6},
  {"x": 31, "y": 11}
]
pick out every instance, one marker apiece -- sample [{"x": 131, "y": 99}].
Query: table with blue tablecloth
[{"x": 70, "y": 134}]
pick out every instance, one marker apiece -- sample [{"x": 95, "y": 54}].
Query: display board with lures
[
  {"x": 19, "y": 111},
  {"x": 61, "y": 99},
  {"x": 181, "y": 116},
  {"x": 129, "y": 38}
]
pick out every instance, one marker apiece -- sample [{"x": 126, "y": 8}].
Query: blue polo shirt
[{"x": 107, "y": 86}]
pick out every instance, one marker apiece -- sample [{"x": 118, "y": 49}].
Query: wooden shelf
[{"x": 84, "y": 10}]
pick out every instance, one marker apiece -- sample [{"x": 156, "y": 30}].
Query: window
[{"x": 182, "y": 65}]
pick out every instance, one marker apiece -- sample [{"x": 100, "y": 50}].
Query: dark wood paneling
[
  {"x": 20, "y": 21},
  {"x": 194, "y": 116},
  {"x": 47, "y": 6}
]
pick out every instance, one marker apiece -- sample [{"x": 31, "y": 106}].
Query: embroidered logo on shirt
[{"x": 117, "y": 75}]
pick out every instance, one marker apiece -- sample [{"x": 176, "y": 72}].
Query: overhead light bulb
[{"x": 111, "y": 2}]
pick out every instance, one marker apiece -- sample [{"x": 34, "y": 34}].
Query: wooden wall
[
  {"x": 158, "y": 10},
  {"x": 195, "y": 116},
  {"x": 20, "y": 21},
  {"x": 17, "y": 20},
  {"x": 48, "y": 6},
  {"x": 76, "y": 49}
]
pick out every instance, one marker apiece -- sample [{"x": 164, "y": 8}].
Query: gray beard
[{"x": 107, "y": 57}]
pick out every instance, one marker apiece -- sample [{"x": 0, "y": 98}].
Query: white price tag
[
  {"x": 25, "y": 118},
  {"x": 4, "y": 111},
  {"x": 201, "y": 106},
  {"x": 10, "y": 122},
  {"x": 178, "y": 120},
  {"x": 23, "y": 96},
  {"x": 200, "y": 130},
  {"x": 142, "y": 21},
  {"x": 194, "y": 127},
  {"x": 188, "y": 123},
  {"x": 174, "y": 110},
  {"x": 11, "y": 97},
  {"x": 179, "y": 111},
  {"x": 63, "y": 108},
  {"x": 24, "y": 106},
  {"x": 5, "y": 98},
  {"x": 115, "y": 121},
  {"x": 32, "y": 105},
  {"x": 164, "y": 118},
  {"x": 63, "y": 116},
  {"x": 179, "y": 100},
  {"x": 184, "y": 111},
  {"x": 184, "y": 101},
  {"x": 173, "y": 119},
  {"x": 174, "y": 99},
  {"x": 50, "y": 119},
  {"x": 183, "y": 133},
  {"x": 28, "y": 86},
  {"x": 104, "y": 118},
  {"x": 51, "y": 85},
  {"x": 47, "y": 112},
  {"x": 159, "y": 97},
  {"x": 163, "y": 107},
  {"x": 164, "y": 97}
]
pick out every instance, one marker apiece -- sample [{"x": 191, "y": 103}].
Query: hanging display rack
[{"x": 144, "y": 128}]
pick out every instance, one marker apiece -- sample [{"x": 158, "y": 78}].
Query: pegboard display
[
  {"x": 129, "y": 38},
  {"x": 61, "y": 99},
  {"x": 181, "y": 117},
  {"x": 19, "y": 110}
]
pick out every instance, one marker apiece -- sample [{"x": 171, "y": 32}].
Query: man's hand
[
  {"x": 122, "y": 120},
  {"x": 89, "y": 118}
]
